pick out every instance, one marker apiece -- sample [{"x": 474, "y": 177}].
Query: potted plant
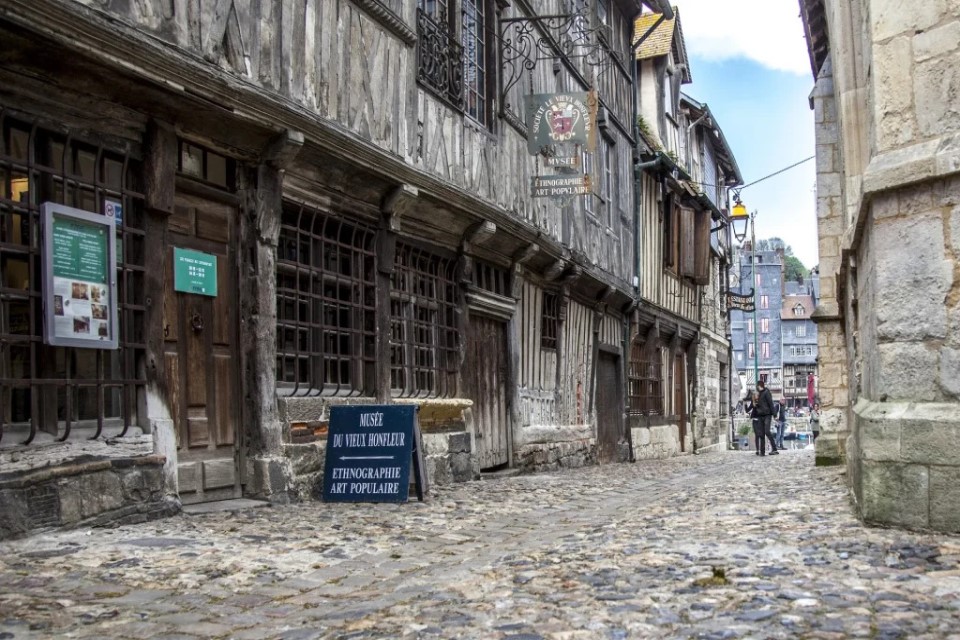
[{"x": 743, "y": 433}]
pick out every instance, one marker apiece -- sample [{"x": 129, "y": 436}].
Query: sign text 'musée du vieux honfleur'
[{"x": 369, "y": 451}]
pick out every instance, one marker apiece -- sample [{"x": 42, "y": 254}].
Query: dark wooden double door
[{"x": 200, "y": 355}]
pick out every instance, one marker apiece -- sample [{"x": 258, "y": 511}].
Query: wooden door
[
  {"x": 680, "y": 397},
  {"x": 485, "y": 381},
  {"x": 200, "y": 356},
  {"x": 609, "y": 413}
]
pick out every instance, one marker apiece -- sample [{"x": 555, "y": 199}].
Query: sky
[{"x": 749, "y": 63}]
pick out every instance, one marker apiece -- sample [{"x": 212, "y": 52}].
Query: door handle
[{"x": 197, "y": 323}]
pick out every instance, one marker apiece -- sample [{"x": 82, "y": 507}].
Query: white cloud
[{"x": 768, "y": 32}]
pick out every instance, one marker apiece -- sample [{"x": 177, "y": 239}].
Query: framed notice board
[
  {"x": 369, "y": 453},
  {"x": 79, "y": 278}
]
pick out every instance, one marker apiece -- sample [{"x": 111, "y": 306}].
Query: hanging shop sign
[
  {"x": 369, "y": 451},
  {"x": 194, "y": 272},
  {"x": 741, "y": 301},
  {"x": 555, "y": 118},
  {"x": 79, "y": 278},
  {"x": 560, "y": 186}
]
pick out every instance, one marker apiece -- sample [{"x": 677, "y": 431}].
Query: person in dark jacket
[
  {"x": 780, "y": 418},
  {"x": 765, "y": 412},
  {"x": 757, "y": 422}
]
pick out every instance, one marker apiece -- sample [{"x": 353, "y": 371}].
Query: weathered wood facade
[
  {"x": 360, "y": 170},
  {"x": 679, "y": 365}
]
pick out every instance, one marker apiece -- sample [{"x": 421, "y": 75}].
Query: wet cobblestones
[{"x": 725, "y": 545}]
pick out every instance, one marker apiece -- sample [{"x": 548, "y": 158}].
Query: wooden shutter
[
  {"x": 669, "y": 234},
  {"x": 702, "y": 248},
  {"x": 687, "y": 242}
]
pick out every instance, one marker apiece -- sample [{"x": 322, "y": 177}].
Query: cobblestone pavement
[{"x": 619, "y": 551}]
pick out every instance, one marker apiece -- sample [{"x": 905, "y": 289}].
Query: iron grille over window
[
  {"x": 47, "y": 391},
  {"x": 645, "y": 393},
  {"x": 326, "y": 324},
  {"x": 549, "y": 321},
  {"x": 439, "y": 55},
  {"x": 424, "y": 332},
  {"x": 490, "y": 278},
  {"x": 456, "y": 69}
]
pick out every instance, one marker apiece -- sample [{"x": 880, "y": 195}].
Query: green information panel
[
  {"x": 79, "y": 290},
  {"x": 194, "y": 272},
  {"x": 79, "y": 250}
]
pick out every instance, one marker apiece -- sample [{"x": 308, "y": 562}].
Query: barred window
[
  {"x": 424, "y": 334},
  {"x": 326, "y": 305},
  {"x": 549, "y": 320},
  {"x": 645, "y": 381},
  {"x": 456, "y": 69},
  {"x": 47, "y": 392}
]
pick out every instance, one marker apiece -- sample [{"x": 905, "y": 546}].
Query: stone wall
[
  {"x": 656, "y": 442},
  {"x": 833, "y": 382},
  {"x": 712, "y": 426},
  {"x": 86, "y": 492},
  {"x": 888, "y": 190},
  {"x": 550, "y": 456}
]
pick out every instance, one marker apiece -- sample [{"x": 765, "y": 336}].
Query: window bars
[
  {"x": 51, "y": 390},
  {"x": 326, "y": 305},
  {"x": 424, "y": 324},
  {"x": 645, "y": 381}
]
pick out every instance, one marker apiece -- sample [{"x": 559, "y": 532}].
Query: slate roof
[
  {"x": 662, "y": 39},
  {"x": 659, "y": 42},
  {"x": 789, "y": 302}
]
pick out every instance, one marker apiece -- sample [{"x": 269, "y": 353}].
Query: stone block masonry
[{"x": 84, "y": 493}]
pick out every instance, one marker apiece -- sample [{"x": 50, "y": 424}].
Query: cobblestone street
[{"x": 622, "y": 551}]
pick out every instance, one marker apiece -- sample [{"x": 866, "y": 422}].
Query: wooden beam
[{"x": 283, "y": 149}]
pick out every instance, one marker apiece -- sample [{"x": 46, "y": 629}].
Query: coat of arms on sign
[{"x": 561, "y": 117}]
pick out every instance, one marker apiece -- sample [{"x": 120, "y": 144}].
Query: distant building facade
[
  {"x": 798, "y": 335},
  {"x": 756, "y": 337}
]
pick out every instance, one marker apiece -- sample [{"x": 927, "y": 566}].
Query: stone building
[{"x": 888, "y": 188}]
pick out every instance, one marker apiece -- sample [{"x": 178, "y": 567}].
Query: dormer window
[{"x": 798, "y": 310}]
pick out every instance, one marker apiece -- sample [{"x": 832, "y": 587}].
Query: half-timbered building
[
  {"x": 679, "y": 364},
  {"x": 358, "y": 172}
]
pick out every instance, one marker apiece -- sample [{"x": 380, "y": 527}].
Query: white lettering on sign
[
  {"x": 366, "y": 473},
  {"x": 371, "y": 419}
]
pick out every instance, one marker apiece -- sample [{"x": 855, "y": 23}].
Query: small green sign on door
[{"x": 194, "y": 272}]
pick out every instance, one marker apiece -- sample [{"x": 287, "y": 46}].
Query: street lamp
[{"x": 739, "y": 219}]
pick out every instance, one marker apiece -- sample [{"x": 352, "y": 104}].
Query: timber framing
[{"x": 179, "y": 72}]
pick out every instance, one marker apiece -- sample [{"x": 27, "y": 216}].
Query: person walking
[
  {"x": 757, "y": 422},
  {"x": 764, "y": 409},
  {"x": 815, "y": 421},
  {"x": 780, "y": 416}
]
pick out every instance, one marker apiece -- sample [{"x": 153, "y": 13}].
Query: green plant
[{"x": 744, "y": 429}]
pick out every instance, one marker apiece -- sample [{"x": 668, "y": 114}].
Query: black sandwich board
[{"x": 369, "y": 451}]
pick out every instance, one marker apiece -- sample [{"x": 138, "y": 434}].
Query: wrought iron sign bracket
[{"x": 525, "y": 41}]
